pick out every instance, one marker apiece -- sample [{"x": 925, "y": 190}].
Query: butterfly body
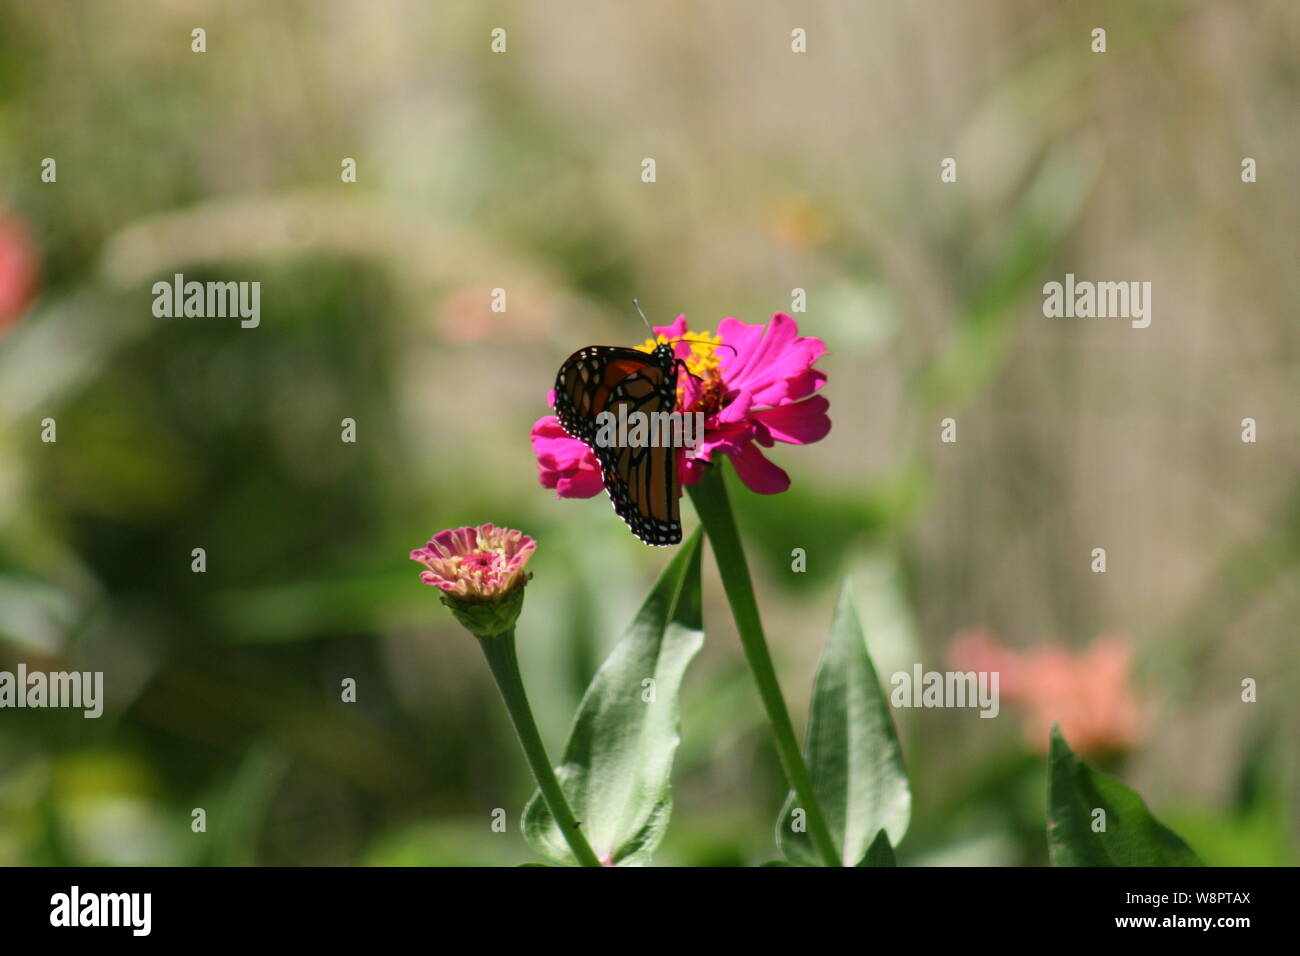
[{"x": 641, "y": 481}]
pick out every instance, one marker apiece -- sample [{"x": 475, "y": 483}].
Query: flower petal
[
  {"x": 586, "y": 482},
  {"x": 800, "y": 423},
  {"x": 691, "y": 470},
  {"x": 769, "y": 359},
  {"x": 563, "y": 462},
  {"x": 736, "y": 409},
  {"x": 803, "y": 385},
  {"x": 677, "y": 329},
  {"x": 728, "y": 438},
  {"x": 758, "y": 473}
]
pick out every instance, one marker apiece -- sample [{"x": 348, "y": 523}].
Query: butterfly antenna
[
  {"x": 637, "y": 305},
  {"x": 716, "y": 345}
]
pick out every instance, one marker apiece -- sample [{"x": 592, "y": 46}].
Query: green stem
[
  {"x": 501, "y": 658},
  {"x": 710, "y": 498}
]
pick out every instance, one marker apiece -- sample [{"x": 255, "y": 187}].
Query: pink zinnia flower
[
  {"x": 18, "y": 269},
  {"x": 476, "y": 564},
  {"x": 1089, "y": 693},
  {"x": 753, "y": 393}
]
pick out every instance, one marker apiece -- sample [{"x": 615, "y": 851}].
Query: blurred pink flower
[
  {"x": 1089, "y": 693},
  {"x": 476, "y": 564},
  {"x": 18, "y": 269},
  {"x": 756, "y": 395}
]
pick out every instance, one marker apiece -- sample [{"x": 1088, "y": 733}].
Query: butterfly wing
[{"x": 641, "y": 481}]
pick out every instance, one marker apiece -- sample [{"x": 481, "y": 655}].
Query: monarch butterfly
[{"x": 641, "y": 481}]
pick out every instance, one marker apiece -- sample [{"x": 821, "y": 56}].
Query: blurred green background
[{"x": 521, "y": 171}]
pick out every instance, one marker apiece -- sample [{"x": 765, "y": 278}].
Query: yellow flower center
[{"x": 703, "y": 363}]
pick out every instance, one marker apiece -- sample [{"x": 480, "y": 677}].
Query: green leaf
[
  {"x": 852, "y": 751},
  {"x": 617, "y": 763},
  {"x": 1132, "y": 836},
  {"x": 880, "y": 853}
]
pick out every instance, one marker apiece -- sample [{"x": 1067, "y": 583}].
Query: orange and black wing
[{"x": 641, "y": 481}]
